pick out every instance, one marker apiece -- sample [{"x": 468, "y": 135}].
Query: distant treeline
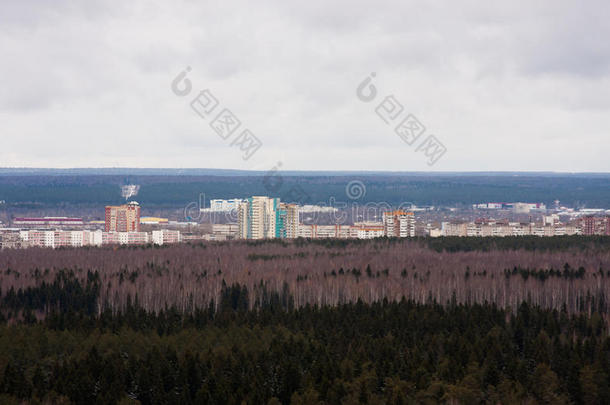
[
  {"x": 42, "y": 191},
  {"x": 379, "y": 353}
]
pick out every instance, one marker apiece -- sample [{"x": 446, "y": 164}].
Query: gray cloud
[{"x": 510, "y": 86}]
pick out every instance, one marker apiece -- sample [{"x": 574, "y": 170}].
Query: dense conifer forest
[
  {"x": 166, "y": 188},
  {"x": 388, "y": 321}
]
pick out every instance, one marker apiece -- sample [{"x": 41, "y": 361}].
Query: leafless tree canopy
[{"x": 191, "y": 276}]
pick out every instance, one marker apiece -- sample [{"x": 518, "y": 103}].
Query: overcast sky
[{"x": 516, "y": 85}]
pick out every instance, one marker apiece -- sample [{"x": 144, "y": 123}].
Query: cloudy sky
[{"x": 516, "y": 85}]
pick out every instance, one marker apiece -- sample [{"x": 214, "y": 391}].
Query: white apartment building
[
  {"x": 327, "y": 231},
  {"x": 229, "y": 230},
  {"x": 125, "y": 238},
  {"x": 137, "y": 238},
  {"x": 257, "y": 218},
  {"x": 306, "y": 231},
  {"x": 369, "y": 230},
  {"x": 94, "y": 238},
  {"x": 219, "y": 205},
  {"x": 473, "y": 230},
  {"x": 399, "y": 224},
  {"x": 519, "y": 229},
  {"x": 59, "y": 238},
  {"x": 165, "y": 236},
  {"x": 454, "y": 229},
  {"x": 49, "y": 238},
  {"x": 370, "y": 233},
  {"x": 38, "y": 238},
  {"x": 492, "y": 228},
  {"x": 552, "y": 219}
]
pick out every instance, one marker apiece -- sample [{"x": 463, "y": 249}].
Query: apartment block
[
  {"x": 165, "y": 236},
  {"x": 48, "y": 222},
  {"x": 228, "y": 230},
  {"x": 125, "y": 238},
  {"x": 594, "y": 225},
  {"x": 219, "y": 205},
  {"x": 369, "y": 230},
  {"x": 59, "y": 238},
  {"x": 327, "y": 231},
  {"x": 123, "y": 218},
  {"x": 290, "y": 221},
  {"x": 11, "y": 239},
  {"x": 485, "y": 228},
  {"x": 261, "y": 217},
  {"x": 399, "y": 224}
]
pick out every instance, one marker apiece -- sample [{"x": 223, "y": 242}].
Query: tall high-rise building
[
  {"x": 261, "y": 217},
  {"x": 242, "y": 220},
  {"x": 123, "y": 218},
  {"x": 399, "y": 224},
  {"x": 281, "y": 218},
  {"x": 291, "y": 224}
]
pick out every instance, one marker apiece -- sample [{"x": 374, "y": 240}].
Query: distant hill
[
  {"x": 177, "y": 187},
  {"x": 127, "y": 171}
]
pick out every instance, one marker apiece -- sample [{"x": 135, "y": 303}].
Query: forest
[
  {"x": 569, "y": 272},
  {"x": 44, "y": 189},
  {"x": 387, "y": 321}
]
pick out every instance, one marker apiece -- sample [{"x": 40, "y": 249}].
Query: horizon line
[{"x": 115, "y": 168}]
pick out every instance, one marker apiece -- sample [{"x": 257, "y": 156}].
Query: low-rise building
[
  {"x": 369, "y": 230},
  {"x": 229, "y": 230},
  {"x": 48, "y": 222},
  {"x": 502, "y": 228},
  {"x": 219, "y": 205},
  {"x": 326, "y": 231},
  {"x": 165, "y": 236},
  {"x": 153, "y": 221}
]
